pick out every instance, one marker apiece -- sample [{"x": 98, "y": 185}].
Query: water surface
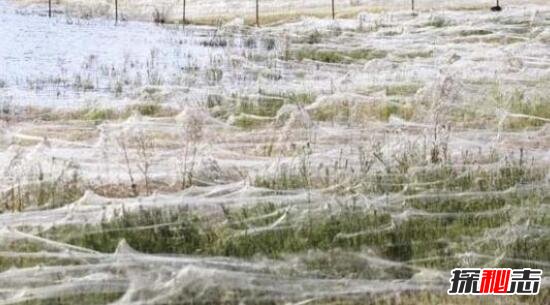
[{"x": 64, "y": 61}]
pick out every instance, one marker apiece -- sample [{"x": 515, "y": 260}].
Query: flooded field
[
  {"x": 68, "y": 62},
  {"x": 312, "y": 161}
]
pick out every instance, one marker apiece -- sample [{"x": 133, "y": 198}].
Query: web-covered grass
[{"x": 317, "y": 162}]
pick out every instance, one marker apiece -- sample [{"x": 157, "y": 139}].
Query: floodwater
[{"x": 63, "y": 61}]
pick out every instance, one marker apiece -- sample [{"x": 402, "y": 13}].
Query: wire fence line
[
  {"x": 256, "y": 12},
  {"x": 162, "y": 9}
]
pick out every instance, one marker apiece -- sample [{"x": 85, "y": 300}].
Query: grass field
[{"x": 355, "y": 161}]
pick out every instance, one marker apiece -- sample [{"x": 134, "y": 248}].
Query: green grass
[
  {"x": 181, "y": 234},
  {"x": 416, "y": 54},
  {"x": 97, "y": 114},
  {"x": 530, "y": 249},
  {"x": 402, "y": 89},
  {"x": 537, "y": 108},
  {"x": 438, "y": 22},
  {"x": 184, "y": 232},
  {"x": 384, "y": 111},
  {"x": 437, "y": 297},
  {"x": 475, "y": 32},
  {"x": 345, "y": 111},
  {"x": 444, "y": 231},
  {"x": 301, "y": 98},
  {"x": 147, "y": 109},
  {"x": 289, "y": 97},
  {"x": 250, "y": 122},
  {"x": 261, "y": 106},
  {"x": 342, "y": 57},
  {"x": 516, "y": 102},
  {"x": 285, "y": 179},
  {"x": 331, "y": 242},
  {"x": 66, "y": 189},
  {"x": 78, "y": 298}
]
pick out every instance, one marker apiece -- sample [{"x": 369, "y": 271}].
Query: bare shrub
[
  {"x": 193, "y": 132},
  {"x": 138, "y": 148}
]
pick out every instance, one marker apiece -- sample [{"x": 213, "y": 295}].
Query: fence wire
[{"x": 251, "y": 11}]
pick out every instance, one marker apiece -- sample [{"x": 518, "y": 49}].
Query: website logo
[{"x": 471, "y": 281}]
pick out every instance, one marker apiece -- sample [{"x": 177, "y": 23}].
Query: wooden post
[
  {"x": 333, "y": 11},
  {"x": 116, "y": 11},
  {"x": 258, "y": 13},
  {"x": 50, "y": 8},
  {"x": 412, "y": 5},
  {"x": 184, "y": 7}
]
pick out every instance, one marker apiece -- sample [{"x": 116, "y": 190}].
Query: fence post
[
  {"x": 184, "y": 7},
  {"x": 412, "y": 5},
  {"x": 116, "y": 11},
  {"x": 333, "y": 11},
  {"x": 50, "y": 8},
  {"x": 258, "y": 13}
]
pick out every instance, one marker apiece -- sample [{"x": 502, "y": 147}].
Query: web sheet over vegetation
[{"x": 354, "y": 161}]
